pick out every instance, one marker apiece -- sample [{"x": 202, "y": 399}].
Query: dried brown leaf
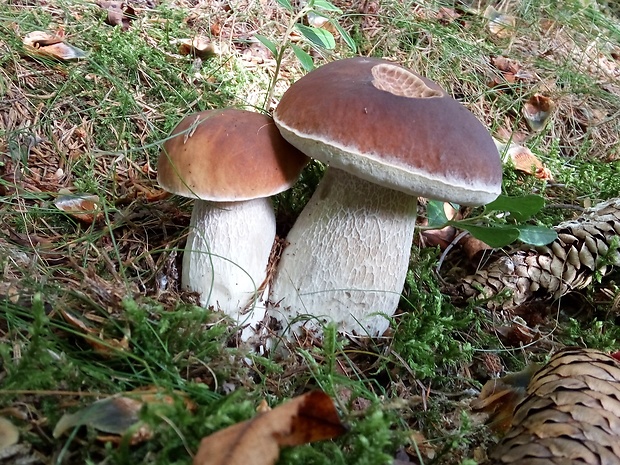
[
  {"x": 518, "y": 333},
  {"x": 510, "y": 70},
  {"x": 422, "y": 445},
  {"x": 473, "y": 247},
  {"x": 447, "y": 15},
  {"x": 442, "y": 237},
  {"x": 506, "y": 134},
  {"x": 316, "y": 20},
  {"x": 47, "y": 45},
  {"x": 438, "y": 237},
  {"x": 119, "y": 13},
  {"x": 114, "y": 415},
  {"x": 82, "y": 207},
  {"x": 9, "y": 434},
  {"x": 200, "y": 47},
  {"x": 94, "y": 338},
  {"x": 537, "y": 111},
  {"x": 505, "y": 65},
  {"x": 499, "y": 397},
  {"x": 525, "y": 161},
  {"x": 500, "y": 24},
  {"x": 307, "y": 418}
]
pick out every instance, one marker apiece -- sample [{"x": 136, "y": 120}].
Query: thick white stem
[
  {"x": 227, "y": 253},
  {"x": 347, "y": 257}
]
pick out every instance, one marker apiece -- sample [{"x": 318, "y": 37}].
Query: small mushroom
[
  {"x": 230, "y": 161},
  {"x": 388, "y": 136}
]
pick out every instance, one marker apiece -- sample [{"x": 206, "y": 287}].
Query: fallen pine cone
[
  {"x": 585, "y": 247},
  {"x": 570, "y": 414}
]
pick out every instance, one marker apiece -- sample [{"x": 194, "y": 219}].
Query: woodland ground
[{"x": 92, "y": 307}]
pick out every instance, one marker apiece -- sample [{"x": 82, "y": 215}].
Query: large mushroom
[
  {"x": 388, "y": 136},
  {"x": 230, "y": 161}
]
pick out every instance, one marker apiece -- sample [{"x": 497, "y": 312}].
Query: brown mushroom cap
[
  {"x": 390, "y": 126},
  {"x": 228, "y": 155}
]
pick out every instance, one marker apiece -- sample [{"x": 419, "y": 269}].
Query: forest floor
[{"x": 90, "y": 245}]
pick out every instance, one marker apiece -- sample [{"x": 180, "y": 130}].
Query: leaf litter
[
  {"x": 47, "y": 45},
  {"x": 304, "y": 419}
]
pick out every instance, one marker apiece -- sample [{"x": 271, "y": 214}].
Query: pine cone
[
  {"x": 585, "y": 247},
  {"x": 570, "y": 414}
]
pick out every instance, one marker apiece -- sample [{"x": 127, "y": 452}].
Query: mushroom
[
  {"x": 387, "y": 135},
  {"x": 230, "y": 161}
]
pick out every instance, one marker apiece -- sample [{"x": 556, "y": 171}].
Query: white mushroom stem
[
  {"x": 227, "y": 253},
  {"x": 347, "y": 256}
]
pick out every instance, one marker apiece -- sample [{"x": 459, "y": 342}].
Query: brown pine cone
[
  {"x": 570, "y": 414},
  {"x": 585, "y": 247}
]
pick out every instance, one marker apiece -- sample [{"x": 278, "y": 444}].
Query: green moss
[{"x": 427, "y": 334}]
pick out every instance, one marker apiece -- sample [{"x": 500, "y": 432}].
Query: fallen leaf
[
  {"x": 216, "y": 28},
  {"x": 473, "y": 247},
  {"x": 154, "y": 395},
  {"x": 113, "y": 415},
  {"x": 256, "y": 53},
  {"x": 316, "y": 20},
  {"x": 508, "y": 135},
  {"x": 447, "y": 15},
  {"x": 9, "y": 434},
  {"x": 307, "y": 418},
  {"x": 588, "y": 117},
  {"x": 546, "y": 25},
  {"x": 500, "y": 396},
  {"x": 117, "y": 415},
  {"x": 420, "y": 444},
  {"x": 200, "y": 47},
  {"x": 501, "y": 25},
  {"x": 518, "y": 333},
  {"x": 46, "y": 246},
  {"x": 508, "y": 67},
  {"x": 47, "y": 45},
  {"x": 537, "y": 111},
  {"x": 119, "y": 13},
  {"x": 82, "y": 207},
  {"x": 511, "y": 71},
  {"x": 525, "y": 161},
  {"x": 438, "y": 237},
  {"x": 94, "y": 337},
  {"x": 441, "y": 237}
]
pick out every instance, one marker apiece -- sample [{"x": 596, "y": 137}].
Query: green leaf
[
  {"x": 495, "y": 236},
  {"x": 286, "y": 4},
  {"x": 303, "y": 57},
  {"x": 273, "y": 48},
  {"x": 536, "y": 235},
  {"x": 521, "y": 208},
  {"x": 319, "y": 37},
  {"x": 325, "y": 5},
  {"x": 435, "y": 214},
  {"x": 345, "y": 36}
]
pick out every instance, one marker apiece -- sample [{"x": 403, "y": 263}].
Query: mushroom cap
[
  {"x": 226, "y": 156},
  {"x": 390, "y": 126}
]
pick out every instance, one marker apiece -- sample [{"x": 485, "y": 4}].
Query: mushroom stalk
[
  {"x": 347, "y": 256},
  {"x": 227, "y": 253}
]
